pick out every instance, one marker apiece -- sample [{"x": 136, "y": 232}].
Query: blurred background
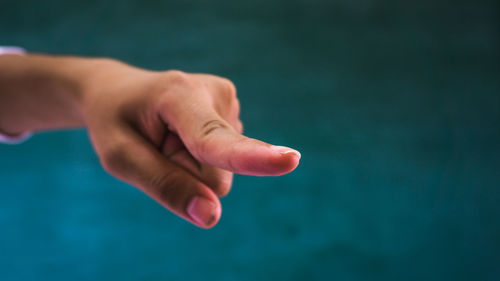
[{"x": 395, "y": 106}]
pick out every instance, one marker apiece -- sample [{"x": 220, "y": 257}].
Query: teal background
[{"x": 395, "y": 106}]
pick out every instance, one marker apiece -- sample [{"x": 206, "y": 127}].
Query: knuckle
[
  {"x": 173, "y": 86},
  {"x": 114, "y": 159},
  {"x": 239, "y": 127},
  {"x": 228, "y": 88},
  {"x": 210, "y": 126},
  {"x": 219, "y": 180},
  {"x": 223, "y": 189},
  {"x": 169, "y": 188},
  {"x": 165, "y": 181},
  {"x": 205, "y": 138},
  {"x": 227, "y": 101},
  {"x": 235, "y": 107},
  {"x": 176, "y": 77}
]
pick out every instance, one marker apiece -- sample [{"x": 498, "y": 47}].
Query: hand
[{"x": 176, "y": 136}]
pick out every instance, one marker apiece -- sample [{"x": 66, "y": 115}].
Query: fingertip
[
  {"x": 286, "y": 151},
  {"x": 204, "y": 212},
  {"x": 284, "y": 160},
  {"x": 267, "y": 160}
]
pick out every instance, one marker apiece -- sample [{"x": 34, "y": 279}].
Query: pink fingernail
[
  {"x": 202, "y": 210},
  {"x": 285, "y": 150}
]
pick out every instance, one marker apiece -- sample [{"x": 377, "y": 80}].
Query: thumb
[
  {"x": 212, "y": 140},
  {"x": 132, "y": 159}
]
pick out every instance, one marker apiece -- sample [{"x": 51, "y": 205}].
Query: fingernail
[
  {"x": 202, "y": 210},
  {"x": 285, "y": 150}
]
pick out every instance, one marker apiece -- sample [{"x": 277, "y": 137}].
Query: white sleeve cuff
[
  {"x": 4, "y": 50},
  {"x": 14, "y": 139},
  {"x": 23, "y": 136}
]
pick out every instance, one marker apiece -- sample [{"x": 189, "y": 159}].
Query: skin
[{"x": 176, "y": 136}]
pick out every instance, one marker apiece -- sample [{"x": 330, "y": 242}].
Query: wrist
[
  {"x": 39, "y": 92},
  {"x": 102, "y": 85},
  {"x": 87, "y": 78}
]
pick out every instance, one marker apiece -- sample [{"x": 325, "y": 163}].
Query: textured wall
[{"x": 395, "y": 107}]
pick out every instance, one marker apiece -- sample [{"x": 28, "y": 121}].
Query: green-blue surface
[{"x": 394, "y": 105}]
